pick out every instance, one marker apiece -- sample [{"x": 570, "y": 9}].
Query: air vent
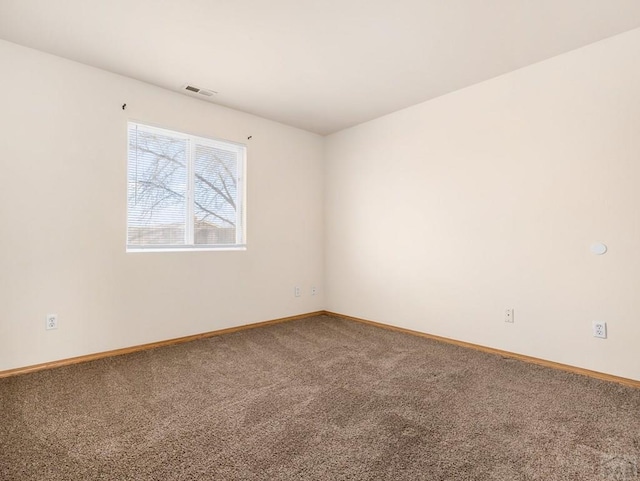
[{"x": 198, "y": 90}]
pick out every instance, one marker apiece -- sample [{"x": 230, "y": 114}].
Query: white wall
[
  {"x": 437, "y": 217},
  {"x": 441, "y": 215},
  {"x": 63, "y": 217}
]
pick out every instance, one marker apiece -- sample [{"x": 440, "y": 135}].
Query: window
[{"x": 184, "y": 192}]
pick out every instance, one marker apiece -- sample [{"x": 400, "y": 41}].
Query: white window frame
[{"x": 240, "y": 198}]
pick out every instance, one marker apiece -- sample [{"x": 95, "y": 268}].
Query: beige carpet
[{"x": 317, "y": 399}]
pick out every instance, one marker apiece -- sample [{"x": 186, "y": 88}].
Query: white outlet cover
[
  {"x": 51, "y": 321},
  {"x": 598, "y": 249},
  {"x": 600, "y": 329}
]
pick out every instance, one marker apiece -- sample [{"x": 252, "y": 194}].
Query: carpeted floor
[{"x": 317, "y": 399}]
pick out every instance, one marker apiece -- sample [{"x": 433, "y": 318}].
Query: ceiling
[{"x": 320, "y": 65}]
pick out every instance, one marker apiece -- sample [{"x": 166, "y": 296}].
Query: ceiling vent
[{"x": 197, "y": 90}]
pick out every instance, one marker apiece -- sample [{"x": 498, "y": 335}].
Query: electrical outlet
[
  {"x": 508, "y": 314},
  {"x": 296, "y": 291},
  {"x": 600, "y": 329},
  {"x": 52, "y": 321},
  {"x": 314, "y": 290}
]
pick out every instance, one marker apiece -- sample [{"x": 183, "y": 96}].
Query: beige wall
[
  {"x": 63, "y": 217},
  {"x": 441, "y": 215},
  {"x": 436, "y": 217}
]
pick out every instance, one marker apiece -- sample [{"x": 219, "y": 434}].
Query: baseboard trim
[
  {"x": 179, "y": 340},
  {"x": 533, "y": 360},
  {"x": 151, "y": 345}
]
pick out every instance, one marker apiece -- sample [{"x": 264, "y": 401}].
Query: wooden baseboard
[
  {"x": 151, "y": 345},
  {"x": 169, "y": 342},
  {"x": 534, "y": 360}
]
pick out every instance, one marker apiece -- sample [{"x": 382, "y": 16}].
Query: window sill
[{"x": 136, "y": 249}]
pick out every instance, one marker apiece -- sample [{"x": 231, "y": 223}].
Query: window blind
[{"x": 183, "y": 191}]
